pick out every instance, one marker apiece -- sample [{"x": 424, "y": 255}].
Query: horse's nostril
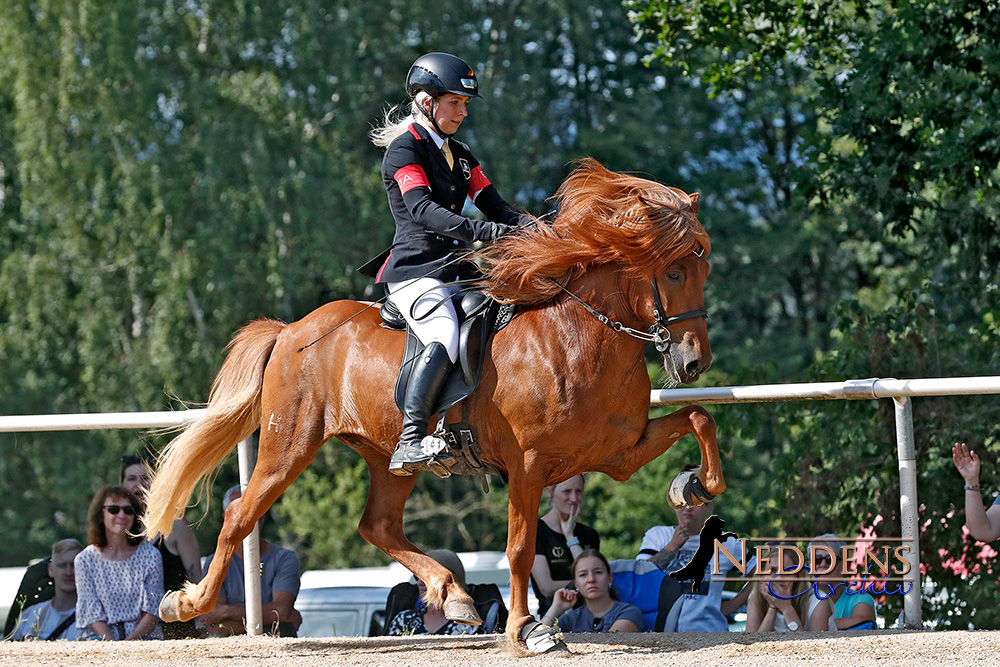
[{"x": 693, "y": 368}]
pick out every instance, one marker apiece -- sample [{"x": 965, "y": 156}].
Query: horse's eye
[{"x": 675, "y": 276}]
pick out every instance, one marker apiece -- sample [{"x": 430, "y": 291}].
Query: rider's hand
[{"x": 498, "y": 229}]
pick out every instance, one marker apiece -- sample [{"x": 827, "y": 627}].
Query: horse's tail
[{"x": 233, "y": 414}]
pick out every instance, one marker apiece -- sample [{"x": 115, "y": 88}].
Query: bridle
[{"x": 658, "y": 332}]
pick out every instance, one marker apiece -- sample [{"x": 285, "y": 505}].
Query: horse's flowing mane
[{"x": 604, "y": 217}]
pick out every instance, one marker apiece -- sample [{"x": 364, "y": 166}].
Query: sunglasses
[{"x": 115, "y": 509}]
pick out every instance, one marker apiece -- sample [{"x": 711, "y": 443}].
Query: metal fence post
[
  {"x": 908, "y": 519},
  {"x": 251, "y": 550}
]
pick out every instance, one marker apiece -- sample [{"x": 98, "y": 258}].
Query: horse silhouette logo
[{"x": 695, "y": 568}]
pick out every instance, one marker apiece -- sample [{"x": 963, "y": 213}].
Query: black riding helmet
[{"x": 440, "y": 73}]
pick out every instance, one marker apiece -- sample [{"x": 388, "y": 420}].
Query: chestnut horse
[{"x": 561, "y": 393}]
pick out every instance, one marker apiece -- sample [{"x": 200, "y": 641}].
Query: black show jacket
[{"x": 426, "y": 199}]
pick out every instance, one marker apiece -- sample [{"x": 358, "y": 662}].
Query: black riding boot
[{"x": 417, "y": 450}]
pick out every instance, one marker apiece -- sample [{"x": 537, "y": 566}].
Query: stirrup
[{"x": 431, "y": 453}]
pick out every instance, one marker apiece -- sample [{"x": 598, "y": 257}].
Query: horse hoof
[
  {"x": 686, "y": 490},
  {"x": 170, "y": 608},
  {"x": 538, "y": 639},
  {"x": 462, "y": 612}
]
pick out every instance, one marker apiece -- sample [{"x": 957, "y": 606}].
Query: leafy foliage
[{"x": 898, "y": 172}]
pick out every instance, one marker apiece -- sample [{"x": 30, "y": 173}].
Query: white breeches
[{"x": 416, "y": 298}]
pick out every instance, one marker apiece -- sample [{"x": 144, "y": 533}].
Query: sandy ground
[{"x": 881, "y": 648}]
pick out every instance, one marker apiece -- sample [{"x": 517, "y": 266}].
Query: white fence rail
[{"x": 899, "y": 390}]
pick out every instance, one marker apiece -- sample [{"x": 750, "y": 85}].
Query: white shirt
[
  {"x": 40, "y": 620},
  {"x": 435, "y": 137},
  {"x": 699, "y": 612}
]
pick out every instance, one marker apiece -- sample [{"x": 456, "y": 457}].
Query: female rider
[{"x": 427, "y": 176}]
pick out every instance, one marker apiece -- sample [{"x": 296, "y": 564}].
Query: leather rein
[{"x": 657, "y": 333}]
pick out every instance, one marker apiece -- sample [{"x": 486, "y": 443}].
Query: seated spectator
[
  {"x": 36, "y": 586},
  {"x": 180, "y": 554},
  {"x": 427, "y": 620},
  {"x": 780, "y": 602},
  {"x": 55, "y": 618},
  {"x": 840, "y": 610},
  {"x": 560, "y": 540},
  {"x": 983, "y": 524},
  {"x": 600, "y": 612},
  {"x": 119, "y": 577},
  {"x": 279, "y": 586},
  {"x": 701, "y": 607}
]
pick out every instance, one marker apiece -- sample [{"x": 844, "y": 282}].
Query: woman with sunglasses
[
  {"x": 180, "y": 552},
  {"x": 119, "y": 577},
  {"x": 600, "y": 612}
]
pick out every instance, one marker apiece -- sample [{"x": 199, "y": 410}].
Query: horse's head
[
  {"x": 649, "y": 232},
  {"x": 686, "y": 350}
]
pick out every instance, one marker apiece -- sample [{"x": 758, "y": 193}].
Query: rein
[{"x": 657, "y": 333}]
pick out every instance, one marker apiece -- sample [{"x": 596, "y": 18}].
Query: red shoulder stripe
[
  {"x": 378, "y": 278},
  {"x": 409, "y": 177},
  {"x": 477, "y": 182},
  {"x": 413, "y": 131}
]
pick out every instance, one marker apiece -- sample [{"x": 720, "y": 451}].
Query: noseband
[
  {"x": 658, "y": 334},
  {"x": 658, "y": 329}
]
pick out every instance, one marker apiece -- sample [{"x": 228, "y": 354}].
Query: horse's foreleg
[
  {"x": 280, "y": 460},
  {"x": 522, "y": 525},
  {"x": 382, "y": 526},
  {"x": 660, "y": 434}
]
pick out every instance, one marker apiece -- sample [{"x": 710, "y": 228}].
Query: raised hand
[
  {"x": 966, "y": 462},
  {"x": 568, "y": 524}
]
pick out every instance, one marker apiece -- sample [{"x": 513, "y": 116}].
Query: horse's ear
[{"x": 694, "y": 201}]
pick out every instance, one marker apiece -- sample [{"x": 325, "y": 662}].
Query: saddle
[{"x": 480, "y": 317}]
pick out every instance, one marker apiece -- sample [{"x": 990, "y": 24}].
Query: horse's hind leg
[
  {"x": 382, "y": 525},
  {"x": 280, "y": 459}
]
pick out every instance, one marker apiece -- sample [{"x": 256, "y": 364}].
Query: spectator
[
  {"x": 36, "y": 586},
  {"x": 838, "y": 611},
  {"x": 983, "y": 524},
  {"x": 560, "y": 540},
  {"x": 180, "y": 554},
  {"x": 55, "y": 618},
  {"x": 780, "y": 602},
  {"x": 672, "y": 547},
  {"x": 119, "y": 577},
  {"x": 427, "y": 620},
  {"x": 600, "y": 612},
  {"x": 279, "y": 586}
]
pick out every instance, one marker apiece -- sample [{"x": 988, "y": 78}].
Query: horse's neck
[
  {"x": 563, "y": 327},
  {"x": 606, "y": 289}
]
